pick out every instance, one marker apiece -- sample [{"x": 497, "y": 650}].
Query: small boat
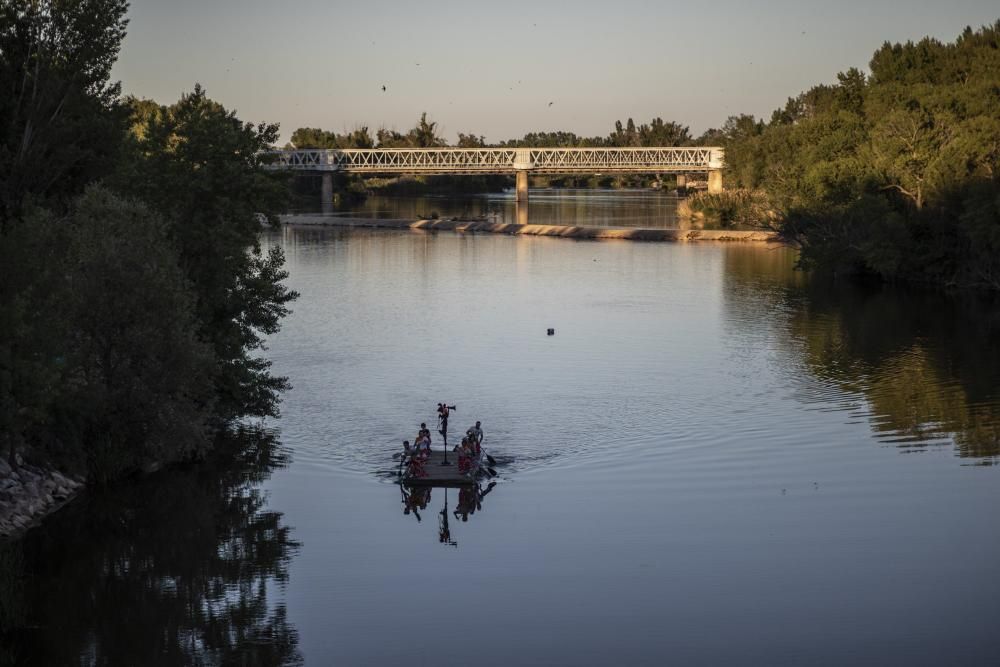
[{"x": 441, "y": 468}]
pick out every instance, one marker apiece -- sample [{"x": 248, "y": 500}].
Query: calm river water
[{"x": 714, "y": 460}]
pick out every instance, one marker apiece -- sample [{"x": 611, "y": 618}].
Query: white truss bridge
[{"x": 502, "y": 160}]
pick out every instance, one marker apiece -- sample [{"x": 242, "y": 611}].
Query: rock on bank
[{"x": 30, "y": 493}]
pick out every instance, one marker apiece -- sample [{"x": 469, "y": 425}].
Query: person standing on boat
[
  {"x": 424, "y": 432},
  {"x": 476, "y": 435}
]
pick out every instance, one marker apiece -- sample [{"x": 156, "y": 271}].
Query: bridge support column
[
  {"x": 326, "y": 193},
  {"x": 715, "y": 181},
  {"x": 682, "y": 181},
  {"x": 522, "y": 186},
  {"x": 521, "y": 212}
]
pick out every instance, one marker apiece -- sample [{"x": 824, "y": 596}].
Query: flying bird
[
  {"x": 551, "y": 103},
  {"x": 383, "y": 89}
]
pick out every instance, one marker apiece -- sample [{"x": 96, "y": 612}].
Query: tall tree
[
  {"x": 135, "y": 380},
  {"x": 60, "y": 117},
  {"x": 424, "y": 135},
  {"x": 202, "y": 168},
  {"x": 60, "y": 126}
]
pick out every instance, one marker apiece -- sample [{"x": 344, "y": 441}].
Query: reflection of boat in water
[{"x": 470, "y": 501}]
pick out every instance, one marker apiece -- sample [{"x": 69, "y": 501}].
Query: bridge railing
[{"x": 501, "y": 160}]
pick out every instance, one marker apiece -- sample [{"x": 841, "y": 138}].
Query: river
[{"x": 714, "y": 460}]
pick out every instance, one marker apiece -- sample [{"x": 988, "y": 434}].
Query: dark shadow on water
[{"x": 173, "y": 569}]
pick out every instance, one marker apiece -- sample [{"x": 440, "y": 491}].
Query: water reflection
[
  {"x": 926, "y": 363},
  {"x": 171, "y": 570},
  {"x": 564, "y": 206},
  {"x": 467, "y": 499},
  {"x": 923, "y": 364}
]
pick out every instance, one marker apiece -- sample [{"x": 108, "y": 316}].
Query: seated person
[
  {"x": 422, "y": 446},
  {"x": 416, "y": 467},
  {"x": 414, "y": 460},
  {"x": 465, "y": 453},
  {"x": 424, "y": 432}
]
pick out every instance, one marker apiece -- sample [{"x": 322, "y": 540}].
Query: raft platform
[{"x": 438, "y": 474}]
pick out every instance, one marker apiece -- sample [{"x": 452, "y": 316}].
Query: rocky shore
[{"x": 30, "y": 493}]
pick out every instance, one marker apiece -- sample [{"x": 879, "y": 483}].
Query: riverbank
[
  {"x": 561, "y": 231},
  {"x": 29, "y": 494}
]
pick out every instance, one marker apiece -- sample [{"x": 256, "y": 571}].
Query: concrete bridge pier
[
  {"x": 682, "y": 181},
  {"x": 522, "y": 186},
  {"x": 521, "y": 212},
  {"x": 326, "y": 193},
  {"x": 715, "y": 181}
]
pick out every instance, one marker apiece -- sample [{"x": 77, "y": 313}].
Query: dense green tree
[
  {"x": 128, "y": 322},
  {"x": 906, "y": 145},
  {"x": 558, "y": 139},
  {"x": 310, "y": 137},
  {"x": 887, "y": 173},
  {"x": 32, "y": 334},
  {"x": 60, "y": 127},
  {"x": 656, "y": 133},
  {"x": 202, "y": 168},
  {"x": 385, "y": 138},
  {"x": 470, "y": 141},
  {"x": 359, "y": 137},
  {"x": 60, "y": 118},
  {"x": 424, "y": 134},
  {"x": 105, "y": 371},
  {"x": 624, "y": 136},
  {"x": 135, "y": 380}
]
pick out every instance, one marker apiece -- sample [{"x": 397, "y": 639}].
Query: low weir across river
[{"x": 518, "y": 161}]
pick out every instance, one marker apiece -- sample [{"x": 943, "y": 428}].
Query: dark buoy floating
[{"x": 552, "y": 332}]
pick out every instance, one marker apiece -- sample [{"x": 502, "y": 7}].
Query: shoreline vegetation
[{"x": 135, "y": 292}]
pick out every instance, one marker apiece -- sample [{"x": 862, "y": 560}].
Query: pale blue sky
[{"x": 493, "y": 68}]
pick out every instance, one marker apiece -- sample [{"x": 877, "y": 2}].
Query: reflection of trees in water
[
  {"x": 173, "y": 569},
  {"x": 927, "y": 364}
]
